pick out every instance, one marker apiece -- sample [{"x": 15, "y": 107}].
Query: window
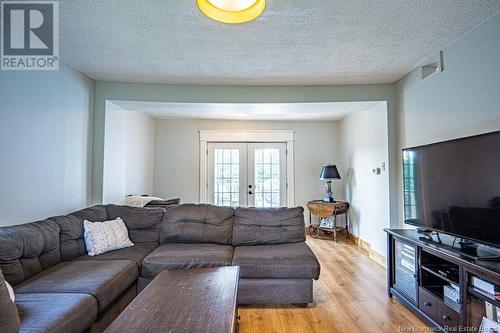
[{"x": 409, "y": 189}]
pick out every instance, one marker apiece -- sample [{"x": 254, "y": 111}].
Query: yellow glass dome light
[{"x": 232, "y": 11}]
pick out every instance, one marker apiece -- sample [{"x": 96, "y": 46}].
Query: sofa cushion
[
  {"x": 283, "y": 261},
  {"x": 103, "y": 279},
  {"x": 264, "y": 226},
  {"x": 94, "y": 213},
  {"x": 184, "y": 256},
  {"x": 56, "y": 313},
  {"x": 28, "y": 249},
  {"x": 143, "y": 224},
  {"x": 72, "y": 241},
  {"x": 9, "y": 318},
  {"x": 136, "y": 253},
  {"x": 191, "y": 223}
]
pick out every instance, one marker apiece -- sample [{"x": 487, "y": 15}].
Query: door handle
[
  {"x": 250, "y": 192},
  {"x": 249, "y": 186}
]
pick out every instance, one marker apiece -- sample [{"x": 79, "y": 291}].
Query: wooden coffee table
[{"x": 189, "y": 300}]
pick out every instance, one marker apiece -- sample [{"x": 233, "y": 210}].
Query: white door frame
[{"x": 287, "y": 136}]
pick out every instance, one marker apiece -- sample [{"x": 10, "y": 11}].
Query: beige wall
[{"x": 176, "y": 167}]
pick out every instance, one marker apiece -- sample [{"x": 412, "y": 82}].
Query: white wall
[
  {"x": 177, "y": 155},
  {"x": 45, "y": 159},
  {"x": 128, "y": 154},
  {"x": 113, "y": 187},
  {"x": 363, "y": 146},
  {"x": 461, "y": 101},
  {"x": 139, "y": 162}
]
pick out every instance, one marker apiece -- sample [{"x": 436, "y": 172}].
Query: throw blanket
[{"x": 139, "y": 201}]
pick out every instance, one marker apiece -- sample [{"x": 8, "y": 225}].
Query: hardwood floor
[{"x": 350, "y": 296}]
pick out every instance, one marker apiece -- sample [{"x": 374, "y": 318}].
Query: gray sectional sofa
[{"x": 61, "y": 289}]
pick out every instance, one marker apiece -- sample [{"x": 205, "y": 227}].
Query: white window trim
[{"x": 287, "y": 136}]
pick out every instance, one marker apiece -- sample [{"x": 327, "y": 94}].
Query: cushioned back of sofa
[
  {"x": 191, "y": 223},
  {"x": 72, "y": 241},
  {"x": 263, "y": 226},
  {"x": 28, "y": 249},
  {"x": 143, "y": 224}
]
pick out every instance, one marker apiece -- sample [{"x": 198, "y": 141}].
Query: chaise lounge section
[
  {"x": 47, "y": 263},
  {"x": 276, "y": 265}
]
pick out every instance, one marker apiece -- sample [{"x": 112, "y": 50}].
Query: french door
[{"x": 247, "y": 174}]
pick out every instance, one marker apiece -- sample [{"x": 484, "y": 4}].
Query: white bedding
[{"x": 139, "y": 201}]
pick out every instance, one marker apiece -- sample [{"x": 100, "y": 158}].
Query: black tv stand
[
  {"x": 421, "y": 271},
  {"x": 466, "y": 248}
]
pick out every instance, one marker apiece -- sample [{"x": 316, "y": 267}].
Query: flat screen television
[{"x": 454, "y": 187}]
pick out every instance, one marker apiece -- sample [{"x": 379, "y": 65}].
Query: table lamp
[{"x": 328, "y": 173}]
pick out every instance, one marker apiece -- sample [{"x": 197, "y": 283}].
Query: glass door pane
[
  {"x": 267, "y": 174},
  {"x": 227, "y": 177},
  {"x": 405, "y": 269},
  {"x": 227, "y": 174}
]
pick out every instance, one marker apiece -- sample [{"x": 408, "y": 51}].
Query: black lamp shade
[{"x": 329, "y": 172}]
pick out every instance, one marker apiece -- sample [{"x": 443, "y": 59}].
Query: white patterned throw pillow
[
  {"x": 11, "y": 292},
  {"x": 102, "y": 237}
]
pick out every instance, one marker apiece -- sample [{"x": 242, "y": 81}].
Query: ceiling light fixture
[{"x": 232, "y": 11}]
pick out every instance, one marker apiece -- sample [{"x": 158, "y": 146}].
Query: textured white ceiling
[
  {"x": 293, "y": 42},
  {"x": 247, "y": 111}
]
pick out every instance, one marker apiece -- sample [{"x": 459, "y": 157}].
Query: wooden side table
[{"x": 323, "y": 209}]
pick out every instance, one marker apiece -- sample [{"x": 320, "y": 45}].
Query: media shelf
[
  {"x": 435, "y": 281},
  {"x": 440, "y": 276},
  {"x": 484, "y": 296},
  {"x": 481, "y": 304}
]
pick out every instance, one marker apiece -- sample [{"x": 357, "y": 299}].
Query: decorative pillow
[
  {"x": 11, "y": 291},
  {"x": 102, "y": 237}
]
